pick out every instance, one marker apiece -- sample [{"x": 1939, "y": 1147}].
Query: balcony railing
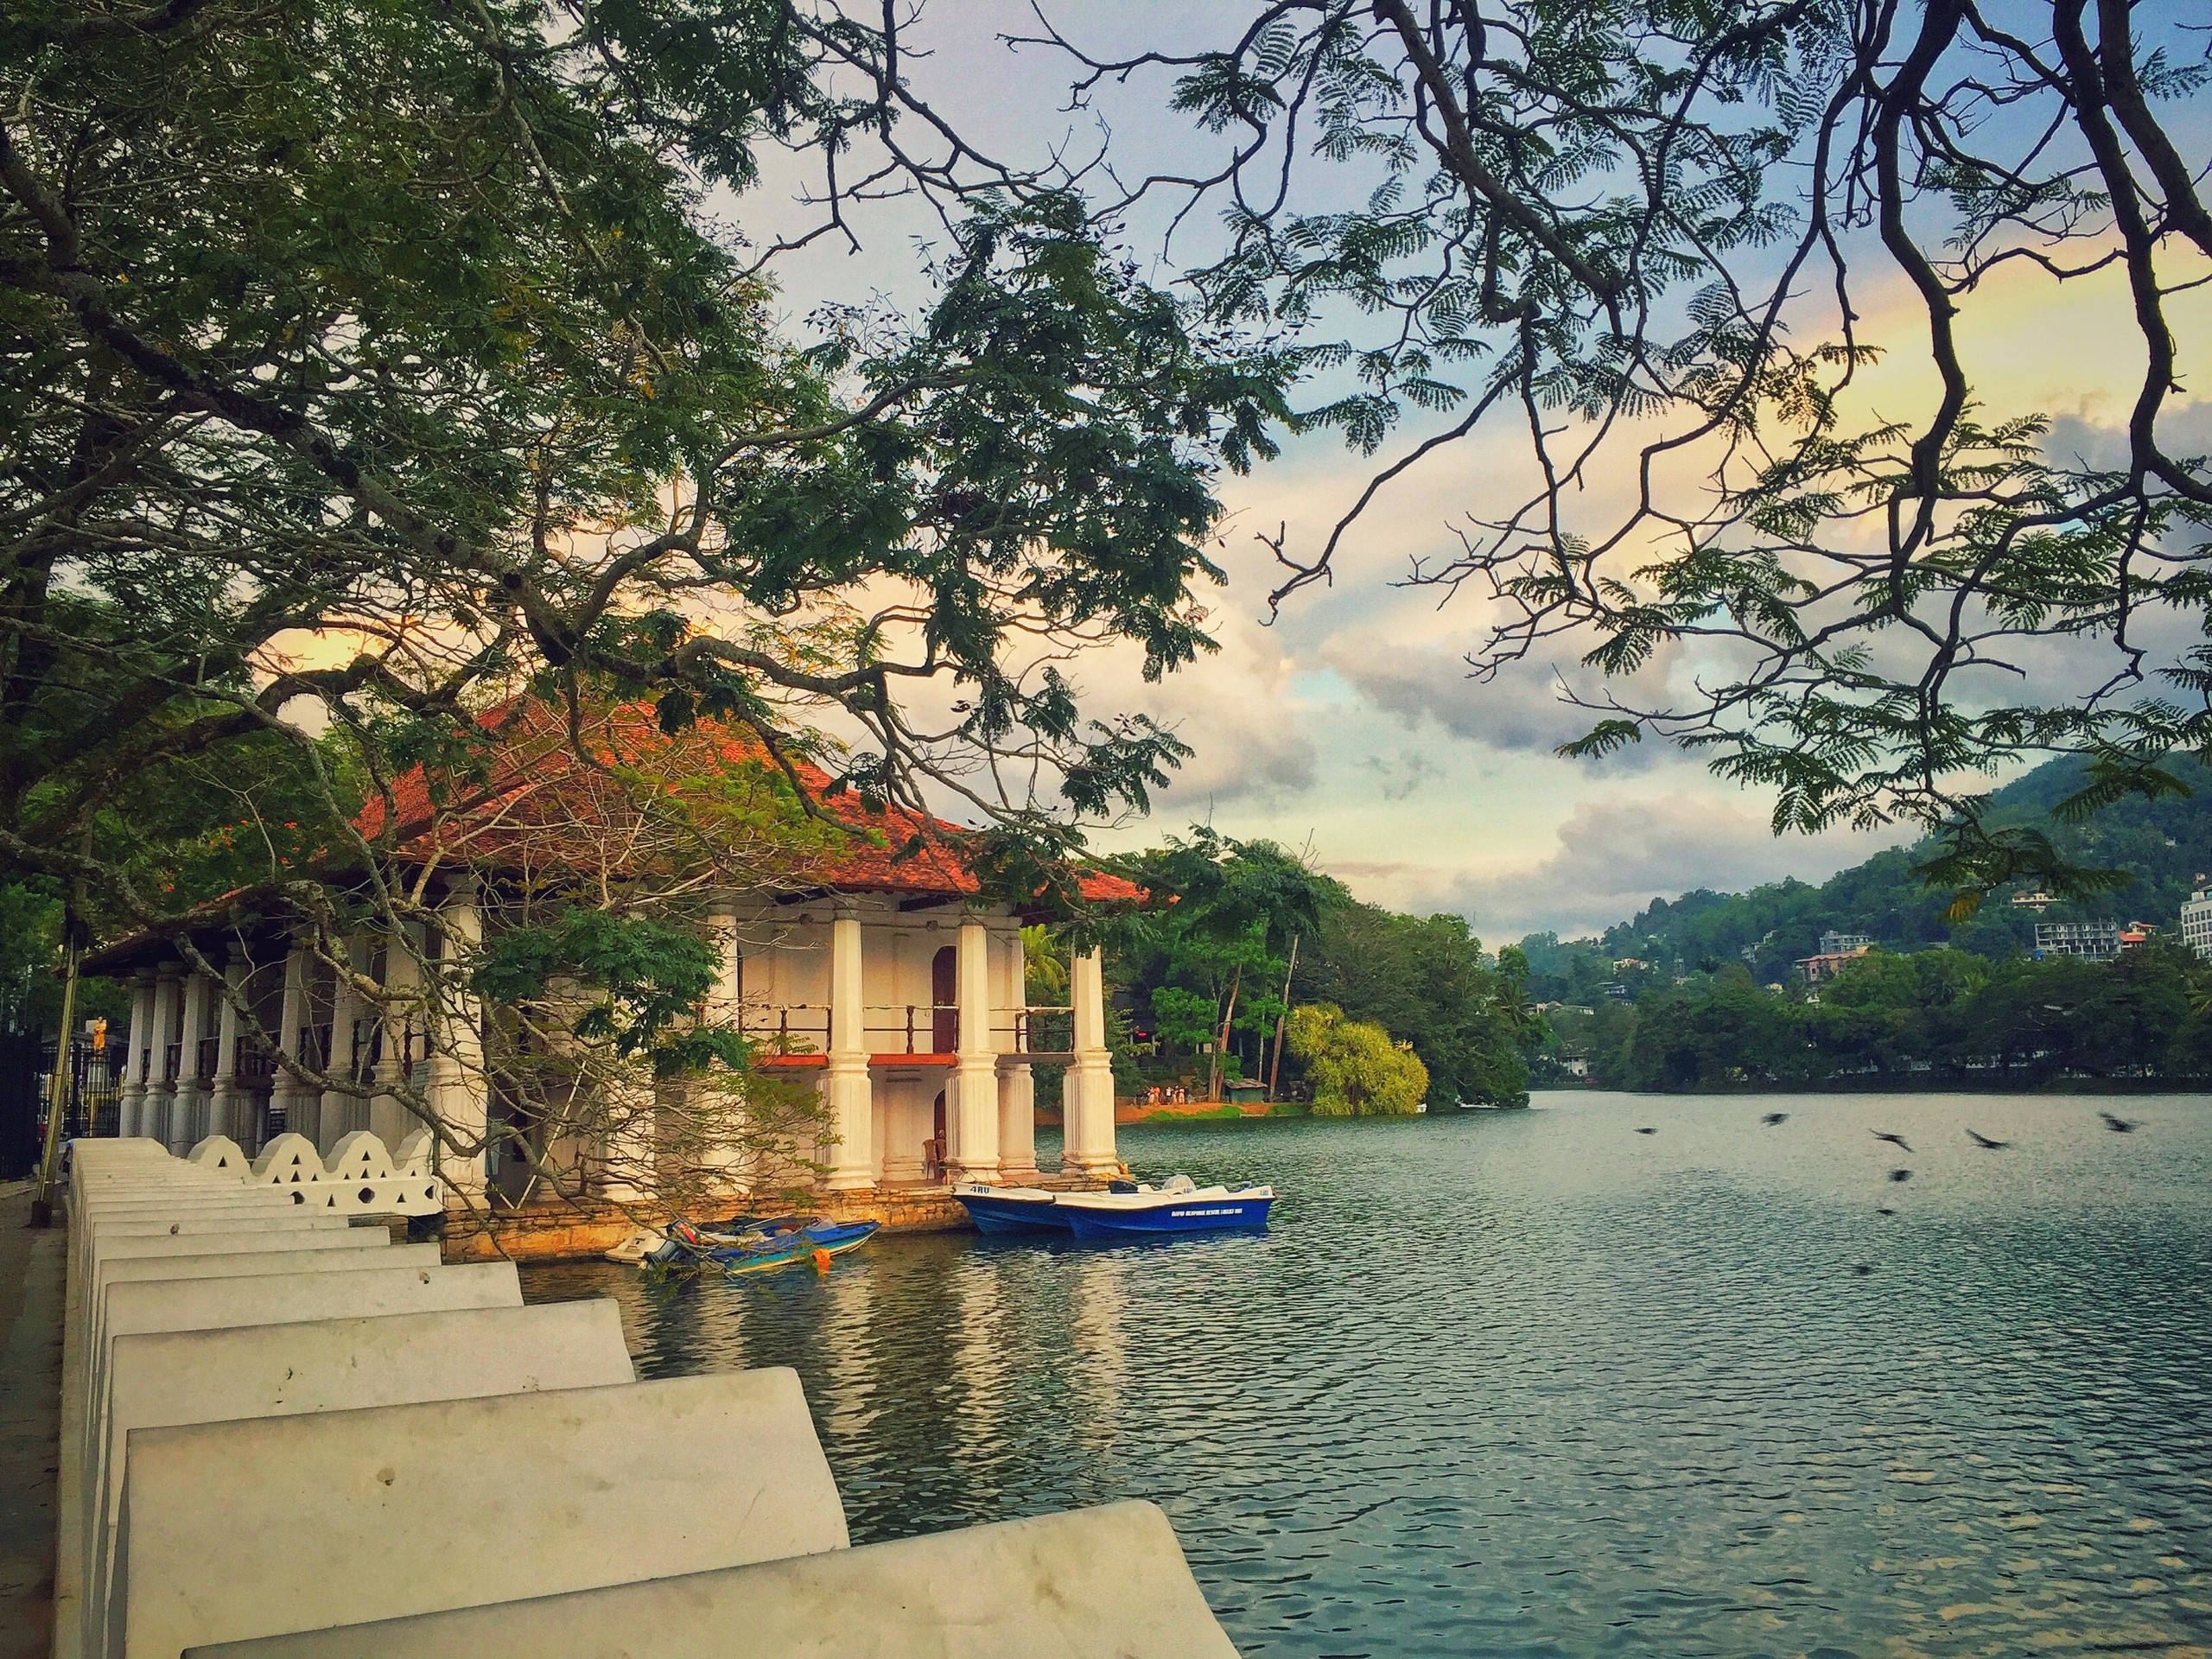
[
  {"x": 172, "y": 1058},
  {"x": 210, "y": 1051},
  {"x": 911, "y": 1028}
]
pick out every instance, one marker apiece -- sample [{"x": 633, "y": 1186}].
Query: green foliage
[
  {"x": 1940, "y": 1015},
  {"x": 640, "y": 984},
  {"x": 416, "y": 332},
  {"x": 2162, "y": 845},
  {"x": 1425, "y": 979},
  {"x": 1354, "y": 1069}
]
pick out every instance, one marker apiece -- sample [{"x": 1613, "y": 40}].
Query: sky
[{"x": 1350, "y": 726}]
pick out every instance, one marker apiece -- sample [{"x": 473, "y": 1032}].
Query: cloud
[
  {"x": 1613, "y": 857},
  {"x": 1519, "y": 710}
]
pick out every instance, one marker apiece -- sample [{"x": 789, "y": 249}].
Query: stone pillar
[
  {"x": 1017, "y": 1101},
  {"x": 390, "y": 1120},
  {"x": 287, "y": 1095},
  {"x": 226, "y": 1106},
  {"x": 1087, "y": 1092},
  {"x": 338, "y": 1110},
  {"x": 161, "y": 1087},
  {"x": 458, "y": 1089},
  {"x": 974, "y": 1100},
  {"x": 131, "y": 1097},
  {"x": 852, "y": 1105},
  {"x": 1017, "y": 1121},
  {"x": 188, "y": 1110}
]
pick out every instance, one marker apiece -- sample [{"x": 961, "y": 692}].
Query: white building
[
  {"x": 2197, "y": 921},
  {"x": 1845, "y": 944},
  {"x": 2095, "y": 941},
  {"x": 879, "y": 973}
]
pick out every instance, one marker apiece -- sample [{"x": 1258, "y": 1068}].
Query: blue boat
[
  {"x": 1012, "y": 1209},
  {"x": 1108, "y": 1218}
]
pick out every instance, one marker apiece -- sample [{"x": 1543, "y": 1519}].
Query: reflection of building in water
[
  {"x": 983, "y": 1354},
  {"x": 1098, "y": 1308}
]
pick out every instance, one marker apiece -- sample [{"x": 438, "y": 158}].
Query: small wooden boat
[{"x": 758, "y": 1246}]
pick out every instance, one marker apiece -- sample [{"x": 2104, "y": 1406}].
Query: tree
[
  {"x": 1648, "y": 238},
  {"x": 1427, "y": 980},
  {"x": 1356, "y": 1070},
  {"x": 367, "y": 369},
  {"x": 1220, "y": 914}
]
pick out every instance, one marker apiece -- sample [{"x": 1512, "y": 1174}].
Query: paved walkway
[{"x": 30, "y": 1399}]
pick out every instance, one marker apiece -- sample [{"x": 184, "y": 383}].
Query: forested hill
[{"x": 2164, "y": 843}]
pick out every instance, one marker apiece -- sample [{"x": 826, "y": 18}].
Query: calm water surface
[{"x": 1532, "y": 1382}]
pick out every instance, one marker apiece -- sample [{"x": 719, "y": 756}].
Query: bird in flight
[
  {"x": 1773, "y": 1118},
  {"x": 1883, "y": 1210},
  {"x": 1862, "y": 1269},
  {"x": 1984, "y": 1142},
  {"x": 1894, "y": 1140},
  {"x": 2116, "y": 1125},
  {"x": 1900, "y": 1174},
  {"x": 1647, "y": 1131}
]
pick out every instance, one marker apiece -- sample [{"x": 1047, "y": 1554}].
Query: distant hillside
[{"x": 2163, "y": 844}]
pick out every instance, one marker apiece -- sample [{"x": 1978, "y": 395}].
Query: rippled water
[{"x": 1532, "y": 1382}]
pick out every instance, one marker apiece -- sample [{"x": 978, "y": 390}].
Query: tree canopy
[
  {"x": 382, "y": 362},
  {"x": 1666, "y": 249}
]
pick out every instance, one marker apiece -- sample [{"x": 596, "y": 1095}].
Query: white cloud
[{"x": 1612, "y": 858}]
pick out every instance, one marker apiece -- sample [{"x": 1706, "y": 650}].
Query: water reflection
[{"x": 1535, "y": 1383}]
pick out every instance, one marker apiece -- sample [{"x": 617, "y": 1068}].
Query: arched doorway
[
  {"x": 944, "y": 1018},
  {"x": 933, "y": 1148}
]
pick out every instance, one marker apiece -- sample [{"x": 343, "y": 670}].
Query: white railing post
[{"x": 130, "y": 1102}]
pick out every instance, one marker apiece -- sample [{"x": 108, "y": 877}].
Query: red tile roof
[{"x": 533, "y": 803}]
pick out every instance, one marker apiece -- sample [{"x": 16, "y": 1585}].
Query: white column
[
  {"x": 1017, "y": 1121},
  {"x": 458, "y": 1087},
  {"x": 226, "y": 1107},
  {"x": 1017, "y": 1086},
  {"x": 389, "y": 1119},
  {"x": 852, "y": 1105},
  {"x": 187, "y": 1113},
  {"x": 975, "y": 1099},
  {"x": 722, "y": 1156},
  {"x": 337, "y": 1111},
  {"x": 139, "y": 1045},
  {"x": 161, "y": 1088},
  {"x": 287, "y": 1093},
  {"x": 1087, "y": 1092}
]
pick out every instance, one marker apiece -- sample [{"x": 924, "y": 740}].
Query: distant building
[
  {"x": 2197, "y": 920},
  {"x": 2037, "y": 901},
  {"x": 1827, "y": 964},
  {"x": 2094, "y": 941},
  {"x": 1845, "y": 944}
]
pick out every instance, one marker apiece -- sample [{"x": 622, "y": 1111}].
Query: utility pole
[{"x": 64, "y": 1073}]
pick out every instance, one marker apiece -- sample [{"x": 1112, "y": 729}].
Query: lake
[{"x": 1532, "y": 1382}]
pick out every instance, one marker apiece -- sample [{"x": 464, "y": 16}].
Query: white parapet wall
[
  {"x": 172, "y": 1378},
  {"x": 276, "y": 1420},
  {"x": 1108, "y": 1583},
  {"x": 533, "y": 1494}
]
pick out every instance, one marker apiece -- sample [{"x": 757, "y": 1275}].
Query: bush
[{"x": 1354, "y": 1069}]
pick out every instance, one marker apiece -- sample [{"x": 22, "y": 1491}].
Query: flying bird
[
  {"x": 2116, "y": 1125},
  {"x": 1984, "y": 1142},
  {"x": 1773, "y": 1118},
  {"x": 1884, "y": 1209},
  {"x": 1894, "y": 1140},
  {"x": 1862, "y": 1269},
  {"x": 1647, "y": 1131},
  {"x": 1900, "y": 1174}
]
